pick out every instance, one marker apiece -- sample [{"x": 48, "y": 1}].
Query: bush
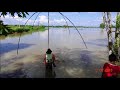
[
  {"x": 102, "y": 25},
  {"x": 118, "y": 21}
]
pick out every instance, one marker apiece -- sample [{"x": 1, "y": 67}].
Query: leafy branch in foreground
[{"x": 4, "y": 29}]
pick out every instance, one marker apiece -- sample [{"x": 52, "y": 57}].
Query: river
[{"x": 74, "y": 60}]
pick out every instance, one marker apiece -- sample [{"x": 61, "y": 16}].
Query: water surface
[{"x": 73, "y": 59}]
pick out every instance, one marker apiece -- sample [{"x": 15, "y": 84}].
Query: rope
[
  {"x": 36, "y": 18},
  {"x": 76, "y": 29},
  {"x": 21, "y": 34},
  {"x": 67, "y": 24},
  {"x": 48, "y": 29}
]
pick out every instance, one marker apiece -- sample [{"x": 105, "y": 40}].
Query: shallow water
[{"x": 73, "y": 59}]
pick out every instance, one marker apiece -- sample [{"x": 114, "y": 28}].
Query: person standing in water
[
  {"x": 49, "y": 61},
  {"x": 110, "y": 69}
]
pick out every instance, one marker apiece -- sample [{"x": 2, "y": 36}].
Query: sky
[{"x": 55, "y": 18}]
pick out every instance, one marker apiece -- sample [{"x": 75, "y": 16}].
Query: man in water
[
  {"x": 110, "y": 69},
  {"x": 49, "y": 62}
]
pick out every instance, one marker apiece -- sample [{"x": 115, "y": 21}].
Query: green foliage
[
  {"x": 22, "y": 29},
  {"x": 20, "y": 14},
  {"x": 4, "y": 29},
  {"x": 65, "y": 26},
  {"x": 118, "y": 21},
  {"x": 113, "y": 26},
  {"x": 102, "y": 25},
  {"x": 116, "y": 45}
]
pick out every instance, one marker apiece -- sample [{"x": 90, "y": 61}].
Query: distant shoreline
[{"x": 65, "y": 26}]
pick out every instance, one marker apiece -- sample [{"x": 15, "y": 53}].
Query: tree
[
  {"x": 3, "y": 28},
  {"x": 102, "y": 25},
  {"x": 20, "y": 14},
  {"x": 117, "y": 33},
  {"x": 118, "y": 21},
  {"x": 112, "y": 26}
]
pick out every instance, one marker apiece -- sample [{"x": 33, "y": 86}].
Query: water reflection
[
  {"x": 15, "y": 74},
  {"x": 2, "y": 37}
]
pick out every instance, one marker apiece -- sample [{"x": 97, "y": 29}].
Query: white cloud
[
  {"x": 44, "y": 20},
  {"x": 58, "y": 22},
  {"x": 8, "y": 19}
]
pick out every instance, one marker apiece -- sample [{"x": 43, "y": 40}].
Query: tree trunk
[{"x": 109, "y": 31}]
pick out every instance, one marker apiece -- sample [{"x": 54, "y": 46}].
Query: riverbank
[{"x": 13, "y": 29}]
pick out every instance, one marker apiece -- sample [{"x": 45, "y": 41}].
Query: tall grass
[{"x": 27, "y": 28}]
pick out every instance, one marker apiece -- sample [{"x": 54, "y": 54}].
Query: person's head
[
  {"x": 112, "y": 58},
  {"x": 49, "y": 51}
]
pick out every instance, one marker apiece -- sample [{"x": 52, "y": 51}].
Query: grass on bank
[{"x": 20, "y": 29}]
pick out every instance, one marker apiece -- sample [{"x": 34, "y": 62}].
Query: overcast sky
[{"x": 78, "y": 18}]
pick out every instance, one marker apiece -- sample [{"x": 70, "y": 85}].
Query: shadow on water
[
  {"x": 85, "y": 57},
  {"x": 92, "y": 43},
  {"x": 101, "y": 40},
  {"x": 50, "y": 73},
  {"x": 98, "y": 42},
  {"x": 2, "y": 37},
  {"x": 77, "y": 64},
  {"x": 7, "y": 47},
  {"x": 15, "y": 65},
  {"x": 11, "y": 60},
  {"x": 16, "y": 74}
]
